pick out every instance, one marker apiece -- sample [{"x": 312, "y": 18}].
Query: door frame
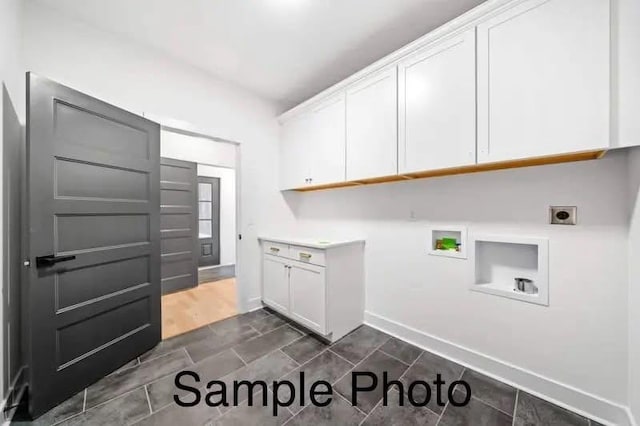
[{"x": 184, "y": 128}]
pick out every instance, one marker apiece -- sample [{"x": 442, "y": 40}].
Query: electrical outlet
[{"x": 563, "y": 215}]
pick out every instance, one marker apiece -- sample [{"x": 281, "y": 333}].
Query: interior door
[
  {"x": 209, "y": 220},
  {"x": 178, "y": 224},
  {"x": 94, "y": 240}
]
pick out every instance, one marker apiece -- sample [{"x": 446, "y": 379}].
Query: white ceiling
[{"x": 283, "y": 50}]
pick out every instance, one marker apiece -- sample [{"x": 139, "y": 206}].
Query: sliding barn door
[
  {"x": 178, "y": 224},
  {"x": 94, "y": 240}
]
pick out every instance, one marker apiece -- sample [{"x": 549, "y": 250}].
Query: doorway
[{"x": 212, "y": 291}]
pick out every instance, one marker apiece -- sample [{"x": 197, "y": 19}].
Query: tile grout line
[
  {"x": 184, "y": 348},
  {"x": 515, "y": 408},
  {"x": 268, "y": 353},
  {"x": 300, "y": 367},
  {"x": 379, "y": 348},
  {"x": 375, "y": 407},
  {"x": 447, "y": 404},
  {"x": 255, "y": 329},
  {"x": 415, "y": 361},
  {"x": 113, "y": 399},
  {"x": 343, "y": 358},
  {"x": 411, "y": 365},
  {"x": 285, "y": 354},
  {"x": 391, "y": 356},
  {"x": 483, "y": 402},
  {"x": 146, "y": 392},
  {"x": 352, "y": 368},
  {"x": 349, "y": 402},
  {"x": 84, "y": 401},
  {"x": 243, "y": 361}
]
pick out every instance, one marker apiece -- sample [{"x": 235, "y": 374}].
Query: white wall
[
  {"x": 227, "y": 210},
  {"x": 579, "y": 340},
  {"x": 197, "y": 149},
  {"x": 10, "y": 75},
  {"x": 634, "y": 283},
  {"x": 142, "y": 80}
]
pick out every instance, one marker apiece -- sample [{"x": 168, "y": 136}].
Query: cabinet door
[
  {"x": 326, "y": 152},
  {"x": 543, "y": 79},
  {"x": 307, "y": 296},
  {"x": 294, "y": 152},
  {"x": 437, "y": 106},
  {"x": 275, "y": 283},
  {"x": 372, "y": 126}
]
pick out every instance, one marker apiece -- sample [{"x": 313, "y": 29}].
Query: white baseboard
[
  {"x": 574, "y": 399},
  {"x": 204, "y": 268},
  {"x": 632, "y": 419},
  {"x": 254, "y": 304}
]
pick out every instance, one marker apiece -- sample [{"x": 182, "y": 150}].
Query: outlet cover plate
[{"x": 563, "y": 215}]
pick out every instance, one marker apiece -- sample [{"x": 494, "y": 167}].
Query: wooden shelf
[{"x": 476, "y": 168}]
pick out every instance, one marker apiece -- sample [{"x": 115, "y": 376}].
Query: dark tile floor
[{"x": 262, "y": 346}]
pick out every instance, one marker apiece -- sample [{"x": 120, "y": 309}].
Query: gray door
[
  {"x": 178, "y": 224},
  {"x": 209, "y": 220},
  {"x": 94, "y": 240}
]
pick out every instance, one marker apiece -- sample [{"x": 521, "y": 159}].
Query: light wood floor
[{"x": 187, "y": 310}]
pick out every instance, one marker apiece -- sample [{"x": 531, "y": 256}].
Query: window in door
[{"x": 209, "y": 220}]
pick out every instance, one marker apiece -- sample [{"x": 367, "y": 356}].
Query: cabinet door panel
[
  {"x": 308, "y": 303},
  {"x": 275, "y": 283},
  {"x": 543, "y": 79},
  {"x": 326, "y": 152},
  {"x": 372, "y": 127},
  {"x": 437, "y": 102},
  {"x": 294, "y": 155}
]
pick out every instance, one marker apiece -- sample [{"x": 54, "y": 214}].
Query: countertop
[{"x": 316, "y": 243}]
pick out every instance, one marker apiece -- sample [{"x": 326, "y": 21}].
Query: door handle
[{"x": 50, "y": 260}]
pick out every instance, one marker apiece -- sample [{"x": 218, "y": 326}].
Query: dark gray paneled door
[
  {"x": 209, "y": 220},
  {"x": 178, "y": 224},
  {"x": 94, "y": 240}
]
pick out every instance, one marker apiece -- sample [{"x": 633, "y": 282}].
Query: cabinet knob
[{"x": 305, "y": 256}]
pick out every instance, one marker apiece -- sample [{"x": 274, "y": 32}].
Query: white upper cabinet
[
  {"x": 437, "y": 106},
  {"x": 543, "y": 79},
  {"x": 372, "y": 126},
  {"x": 313, "y": 145},
  {"x": 326, "y": 152},
  {"x": 295, "y": 167}
]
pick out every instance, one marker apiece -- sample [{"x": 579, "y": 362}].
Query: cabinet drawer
[
  {"x": 307, "y": 255},
  {"x": 275, "y": 249}
]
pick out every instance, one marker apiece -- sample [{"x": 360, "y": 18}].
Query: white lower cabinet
[
  {"x": 307, "y": 295},
  {"x": 320, "y": 288},
  {"x": 275, "y": 282}
]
